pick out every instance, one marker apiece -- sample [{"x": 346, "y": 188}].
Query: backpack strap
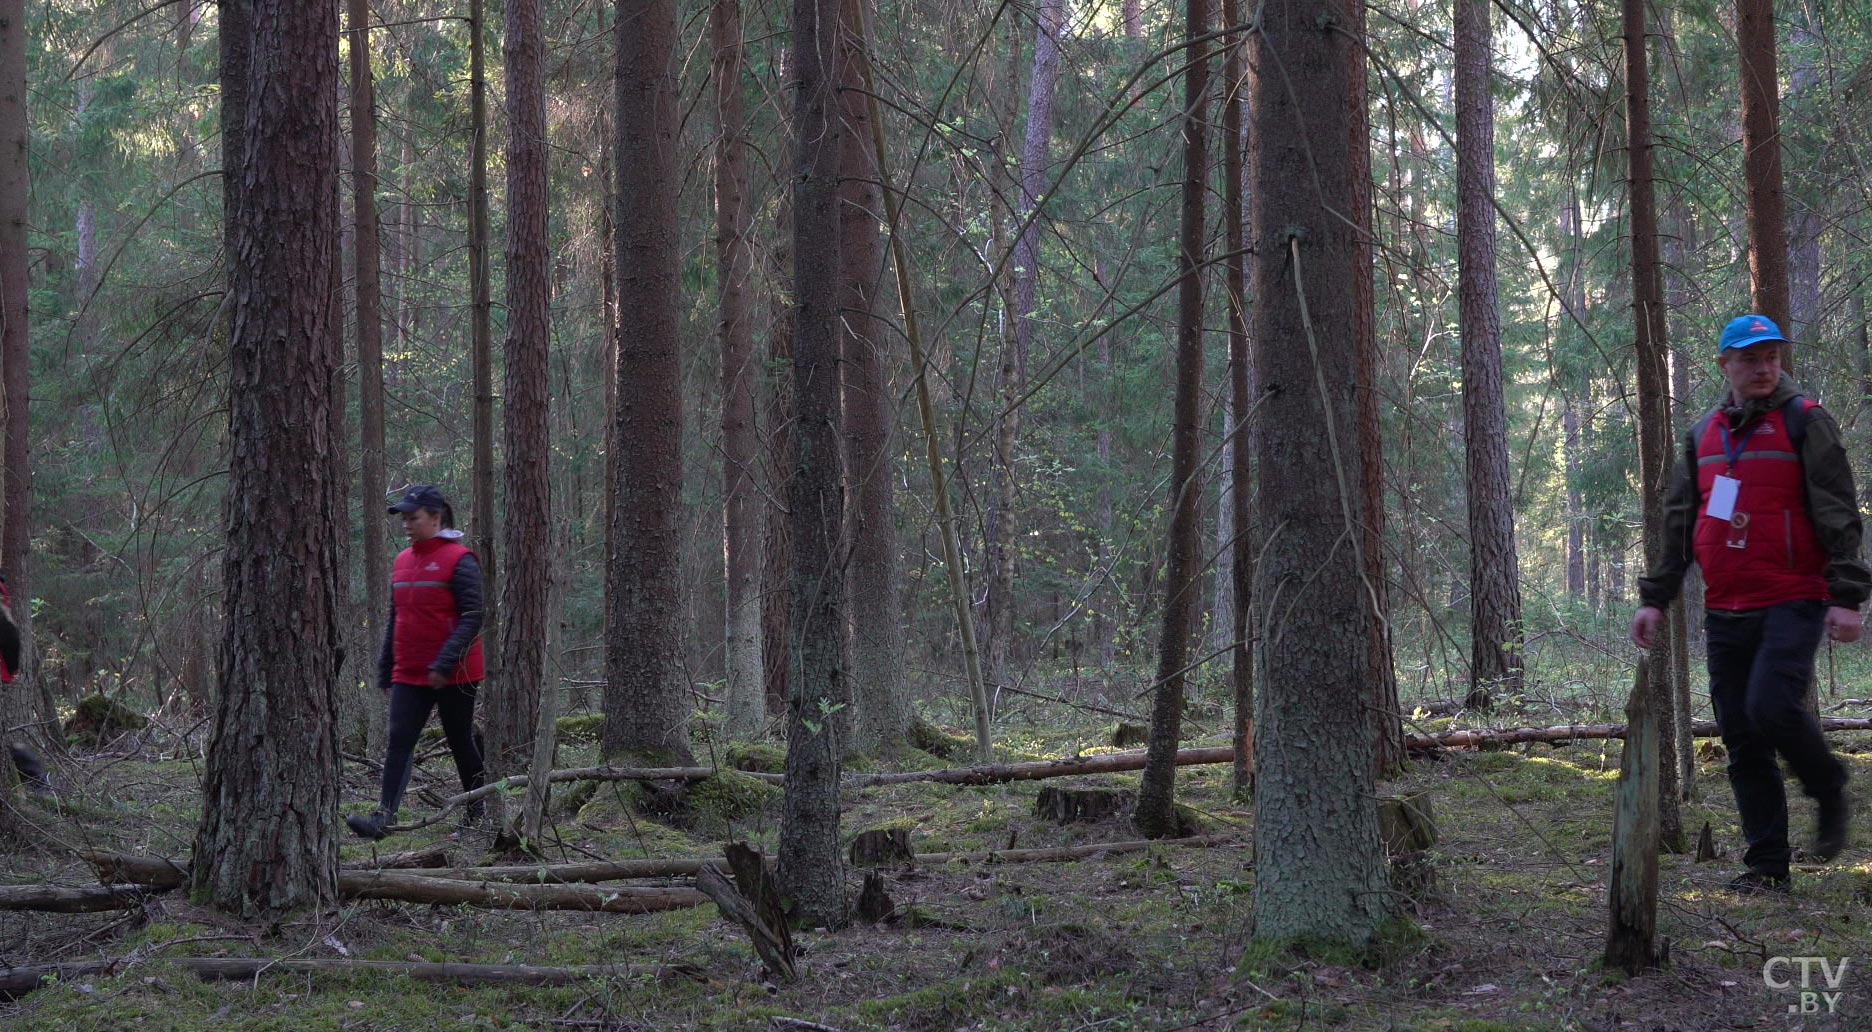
[{"x": 1794, "y": 416}]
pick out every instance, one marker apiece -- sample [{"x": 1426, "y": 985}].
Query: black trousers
[
  {"x": 410, "y": 705},
  {"x": 1760, "y": 663}
]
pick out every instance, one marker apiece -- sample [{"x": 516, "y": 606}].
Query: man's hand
[
  {"x": 1645, "y": 623},
  {"x": 1843, "y": 625}
]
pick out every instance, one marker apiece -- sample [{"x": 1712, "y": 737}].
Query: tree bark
[
  {"x": 15, "y": 377},
  {"x": 1632, "y": 896},
  {"x": 1320, "y": 870},
  {"x": 1156, "y": 809},
  {"x": 742, "y": 554},
  {"x": 1386, "y": 711},
  {"x": 521, "y": 677},
  {"x": 1761, "y": 157},
  {"x": 811, "y": 869},
  {"x": 368, "y": 273},
  {"x": 874, "y": 621},
  {"x": 1494, "y": 585},
  {"x": 270, "y": 796},
  {"x": 1651, "y": 344},
  {"x": 646, "y": 704},
  {"x": 481, "y": 306},
  {"x": 1240, "y": 443}
]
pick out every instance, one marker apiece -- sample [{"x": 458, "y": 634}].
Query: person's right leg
[
  {"x": 1734, "y": 639},
  {"x": 409, "y": 711},
  {"x": 455, "y": 705}
]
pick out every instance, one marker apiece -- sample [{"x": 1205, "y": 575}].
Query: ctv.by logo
[{"x": 1778, "y": 973}]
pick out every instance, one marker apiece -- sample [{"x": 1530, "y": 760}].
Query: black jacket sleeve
[
  {"x": 1660, "y": 585},
  {"x": 466, "y": 584},
  {"x": 1834, "y": 507}
]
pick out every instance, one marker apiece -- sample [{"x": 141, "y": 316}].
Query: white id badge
[{"x": 1722, "y": 499}]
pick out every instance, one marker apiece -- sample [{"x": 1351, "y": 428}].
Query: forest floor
[{"x": 1508, "y": 939}]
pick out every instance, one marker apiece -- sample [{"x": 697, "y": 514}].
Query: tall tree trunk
[
  {"x": 1240, "y": 492},
  {"x": 742, "y": 554},
  {"x": 481, "y": 314},
  {"x": 811, "y": 871},
  {"x": 1156, "y": 809},
  {"x": 874, "y": 620},
  {"x": 1574, "y": 299},
  {"x": 1381, "y": 677},
  {"x": 1320, "y": 867},
  {"x": 521, "y": 677},
  {"x": 1761, "y": 154},
  {"x": 780, "y": 459},
  {"x": 1650, "y": 345},
  {"x": 270, "y": 795},
  {"x": 1494, "y": 585},
  {"x": 646, "y": 703},
  {"x": 368, "y": 274},
  {"x": 15, "y": 369}
]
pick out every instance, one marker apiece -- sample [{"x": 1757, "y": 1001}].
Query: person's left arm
[
  {"x": 467, "y": 587},
  {"x": 1834, "y": 506}
]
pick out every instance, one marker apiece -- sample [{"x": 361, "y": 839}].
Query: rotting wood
[
  {"x": 1631, "y": 934},
  {"x": 878, "y": 846},
  {"x": 1069, "y": 805},
  {"x": 17, "y": 981},
  {"x": 751, "y": 901},
  {"x": 874, "y": 903}
]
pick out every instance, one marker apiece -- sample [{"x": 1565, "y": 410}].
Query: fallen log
[
  {"x": 1057, "y": 853},
  {"x": 415, "y": 887},
  {"x": 578, "y": 774},
  {"x": 423, "y": 887},
  {"x": 430, "y": 857},
  {"x": 572, "y": 873},
  {"x": 76, "y": 899},
  {"x": 1111, "y": 763},
  {"x": 16, "y": 981}
]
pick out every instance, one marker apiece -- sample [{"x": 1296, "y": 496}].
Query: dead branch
[{"x": 1058, "y": 853}]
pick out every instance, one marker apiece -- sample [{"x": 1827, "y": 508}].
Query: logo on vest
[{"x": 432, "y": 568}]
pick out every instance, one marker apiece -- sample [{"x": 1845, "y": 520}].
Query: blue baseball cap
[
  {"x": 1747, "y": 330},
  {"x": 420, "y": 496}
]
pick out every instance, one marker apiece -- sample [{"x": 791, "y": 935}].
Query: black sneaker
[
  {"x": 1830, "y": 834},
  {"x": 368, "y": 825},
  {"x": 1758, "y": 883}
]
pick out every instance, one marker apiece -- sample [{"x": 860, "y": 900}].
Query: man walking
[{"x": 1762, "y": 499}]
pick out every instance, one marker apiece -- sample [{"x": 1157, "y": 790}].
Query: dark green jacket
[{"x": 1831, "y": 502}]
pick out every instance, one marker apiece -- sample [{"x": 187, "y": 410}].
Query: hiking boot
[
  {"x": 368, "y": 825},
  {"x": 1758, "y": 883},
  {"x": 1830, "y": 833}
]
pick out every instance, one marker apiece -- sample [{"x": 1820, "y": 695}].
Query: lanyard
[{"x": 1731, "y": 447}]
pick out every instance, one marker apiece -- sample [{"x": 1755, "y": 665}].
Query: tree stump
[
  {"x": 753, "y": 901},
  {"x": 1081, "y": 805},
  {"x": 1631, "y": 937},
  {"x": 1126, "y": 735},
  {"x": 874, "y": 905},
  {"x": 1407, "y": 823},
  {"x": 880, "y": 846}
]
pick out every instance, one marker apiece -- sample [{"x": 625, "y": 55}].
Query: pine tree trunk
[
  {"x": 1156, "y": 810},
  {"x": 521, "y": 676},
  {"x": 1576, "y": 408},
  {"x": 1761, "y": 156},
  {"x": 368, "y": 274},
  {"x": 270, "y": 796},
  {"x": 811, "y": 869},
  {"x": 15, "y": 372},
  {"x": 1650, "y": 345},
  {"x": 481, "y": 307},
  {"x": 1494, "y": 585},
  {"x": 874, "y": 619},
  {"x": 742, "y": 552},
  {"x": 1320, "y": 867},
  {"x": 1240, "y": 485},
  {"x": 646, "y": 704},
  {"x": 777, "y": 573}
]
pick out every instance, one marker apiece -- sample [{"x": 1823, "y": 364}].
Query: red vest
[
  {"x": 425, "y": 612},
  {"x": 1778, "y": 557}
]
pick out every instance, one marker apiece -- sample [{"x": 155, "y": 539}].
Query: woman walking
[{"x": 431, "y": 657}]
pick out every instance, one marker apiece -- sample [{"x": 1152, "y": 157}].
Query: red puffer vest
[
  {"x": 1779, "y": 558},
  {"x": 425, "y": 612}
]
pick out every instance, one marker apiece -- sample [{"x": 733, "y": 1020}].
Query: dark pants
[
  {"x": 31, "y": 769},
  {"x": 1760, "y": 663},
  {"x": 409, "y": 711}
]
